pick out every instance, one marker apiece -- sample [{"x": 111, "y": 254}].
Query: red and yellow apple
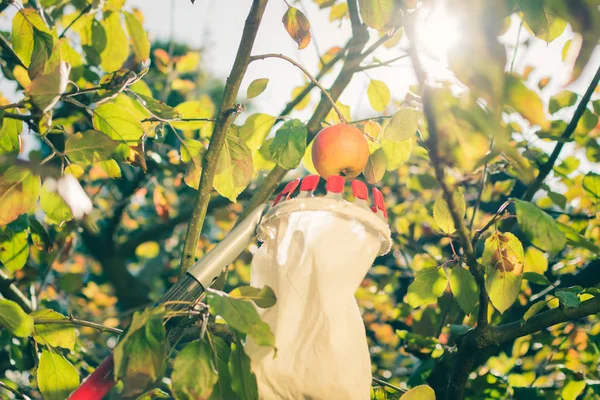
[{"x": 340, "y": 150}]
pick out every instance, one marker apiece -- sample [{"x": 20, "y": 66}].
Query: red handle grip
[{"x": 98, "y": 384}]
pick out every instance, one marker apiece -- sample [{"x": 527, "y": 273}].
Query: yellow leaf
[
  {"x": 421, "y": 392},
  {"x": 379, "y": 95}
]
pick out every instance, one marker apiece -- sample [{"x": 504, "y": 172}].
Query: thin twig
[
  {"x": 73, "y": 321},
  {"x": 383, "y": 63},
  {"x": 308, "y": 75},
  {"x": 13, "y": 391},
  {"x": 10, "y": 291},
  {"x": 384, "y": 383},
  {"x": 549, "y": 165},
  {"x": 81, "y": 14},
  {"x": 491, "y": 222},
  {"x": 512, "y": 62}
]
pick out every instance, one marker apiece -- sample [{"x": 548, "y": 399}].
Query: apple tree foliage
[{"x": 115, "y": 144}]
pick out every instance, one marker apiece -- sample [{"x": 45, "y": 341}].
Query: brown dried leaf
[{"x": 297, "y": 25}]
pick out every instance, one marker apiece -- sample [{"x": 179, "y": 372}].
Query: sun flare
[{"x": 437, "y": 32}]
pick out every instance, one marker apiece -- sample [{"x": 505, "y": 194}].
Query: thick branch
[
  {"x": 224, "y": 119},
  {"x": 447, "y": 191},
  {"x": 513, "y": 330},
  {"x": 549, "y": 165}
]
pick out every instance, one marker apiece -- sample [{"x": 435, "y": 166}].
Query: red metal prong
[
  {"x": 291, "y": 187},
  {"x": 310, "y": 183},
  {"x": 335, "y": 184},
  {"x": 360, "y": 190},
  {"x": 378, "y": 200}
]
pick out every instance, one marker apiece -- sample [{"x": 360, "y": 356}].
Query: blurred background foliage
[{"x": 495, "y": 137}]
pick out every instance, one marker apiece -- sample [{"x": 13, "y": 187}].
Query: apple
[{"x": 340, "y": 150}]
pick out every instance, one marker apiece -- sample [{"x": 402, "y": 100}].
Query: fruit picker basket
[{"x": 315, "y": 252}]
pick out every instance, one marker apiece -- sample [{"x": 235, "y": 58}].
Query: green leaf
[
  {"x": 535, "y": 260},
  {"x": 14, "y": 248},
  {"x": 534, "y": 309},
  {"x": 43, "y": 44},
  {"x": 576, "y": 240},
  {"x": 376, "y": 166},
  {"x": 45, "y": 90},
  {"x": 234, "y": 167},
  {"x": 56, "y": 377},
  {"x": 157, "y": 108},
  {"x": 14, "y": 319},
  {"x": 586, "y": 124},
  {"x": 572, "y": 389},
  {"x": 542, "y": 24},
  {"x": 118, "y": 123},
  {"x": 289, "y": 144},
  {"x": 55, "y": 207},
  {"x": 429, "y": 284},
  {"x": 377, "y": 14},
  {"x": 194, "y": 373},
  {"x": 141, "y": 354},
  {"x": 536, "y": 278},
  {"x": 191, "y": 150},
  {"x": 298, "y": 26},
  {"x": 396, "y": 153},
  {"x": 112, "y": 169},
  {"x": 138, "y": 37},
  {"x": 503, "y": 262},
  {"x": 421, "y": 392},
  {"x": 568, "y": 299},
  {"x": 116, "y": 51},
  {"x": 255, "y": 130},
  {"x": 464, "y": 288},
  {"x": 55, "y": 335},
  {"x": 256, "y": 87},
  {"x": 201, "y": 108},
  {"x": 242, "y": 316},
  {"x": 379, "y": 95},
  {"x": 526, "y": 102},
  {"x": 22, "y": 37},
  {"x": 442, "y": 215},
  {"x": 566, "y": 98},
  {"x": 264, "y": 298},
  {"x": 591, "y": 185},
  {"x": 19, "y": 191},
  {"x": 9, "y": 135},
  {"x": 89, "y": 147},
  {"x": 403, "y": 125},
  {"x": 39, "y": 236},
  {"x": 539, "y": 227},
  {"x": 222, "y": 389},
  {"x": 243, "y": 380}
]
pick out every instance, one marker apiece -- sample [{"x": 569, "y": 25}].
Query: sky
[{"x": 216, "y": 27}]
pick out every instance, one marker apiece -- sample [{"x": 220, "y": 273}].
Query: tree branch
[
  {"x": 308, "y": 75},
  {"x": 447, "y": 191},
  {"x": 13, "y": 391},
  {"x": 549, "y": 165},
  {"x": 224, "y": 119},
  {"x": 517, "y": 329},
  {"x": 351, "y": 64},
  {"x": 72, "y": 321},
  {"x": 11, "y": 292}
]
